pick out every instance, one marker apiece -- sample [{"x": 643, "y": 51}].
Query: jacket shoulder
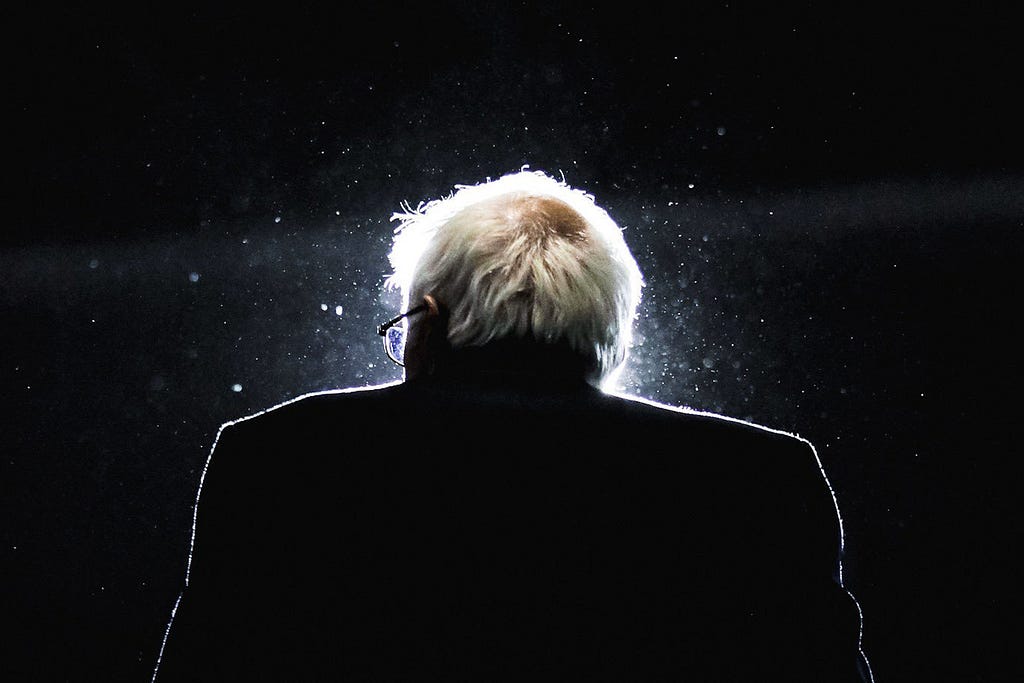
[
  {"x": 707, "y": 423},
  {"x": 312, "y": 407}
]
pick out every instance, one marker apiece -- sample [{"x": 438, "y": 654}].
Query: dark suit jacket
[{"x": 477, "y": 528}]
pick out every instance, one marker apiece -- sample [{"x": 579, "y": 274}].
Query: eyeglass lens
[{"x": 394, "y": 344}]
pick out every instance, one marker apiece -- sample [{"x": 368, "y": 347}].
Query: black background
[{"x": 825, "y": 201}]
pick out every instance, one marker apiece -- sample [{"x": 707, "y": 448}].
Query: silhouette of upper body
[{"x": 497, "y": 516}]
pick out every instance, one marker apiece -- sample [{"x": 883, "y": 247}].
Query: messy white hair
[{"x": 523, "y": 256}]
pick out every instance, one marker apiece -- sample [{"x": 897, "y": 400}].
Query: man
[{"x": 497, "y": 516}]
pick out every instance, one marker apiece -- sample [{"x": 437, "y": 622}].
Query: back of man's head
[{"x": 523, "y": 257}]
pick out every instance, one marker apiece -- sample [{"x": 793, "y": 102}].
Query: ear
[
  {"x": 433, "y": 324},
  {"x": 426, "y": 340},
  {"x": 433, "y": 310}
]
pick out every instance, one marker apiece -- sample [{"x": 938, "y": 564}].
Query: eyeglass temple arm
[{"x": 384, "y": 327}]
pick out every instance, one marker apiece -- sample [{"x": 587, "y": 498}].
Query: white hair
[{"x": 523, "y": 256}]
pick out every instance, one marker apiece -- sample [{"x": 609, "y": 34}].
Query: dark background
[{"x": 825, "y": 201}]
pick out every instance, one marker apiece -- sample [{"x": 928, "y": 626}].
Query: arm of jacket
[
  {"x": 213, "y": 614},
  {"x": 814, "y": 627}
]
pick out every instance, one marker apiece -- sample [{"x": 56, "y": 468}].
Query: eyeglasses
[{"x": 394, "y": 337}]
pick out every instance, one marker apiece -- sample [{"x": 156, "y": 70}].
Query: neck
[{"x": 513, "y": 363}]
